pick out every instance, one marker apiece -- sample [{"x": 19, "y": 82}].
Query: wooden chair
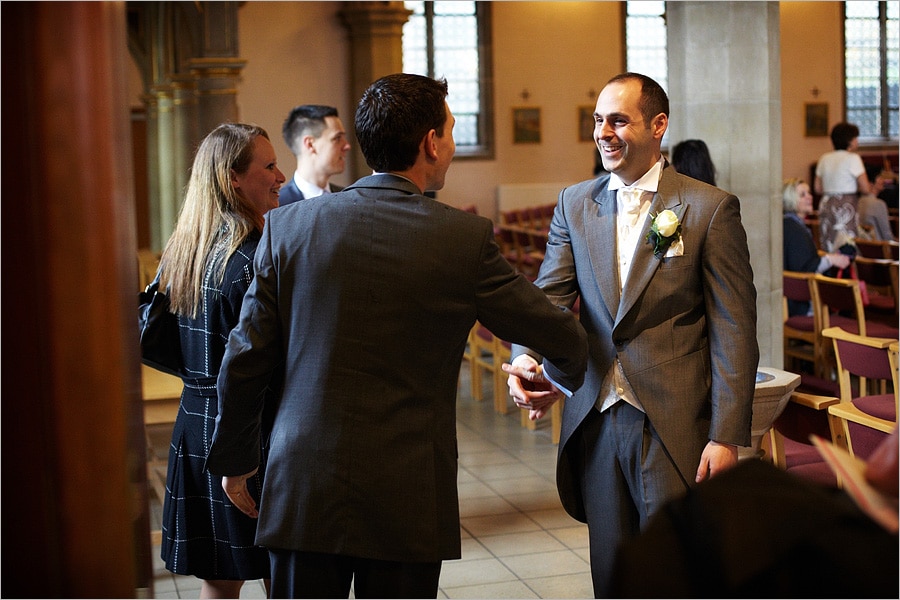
[
  {"x": 790, "y": 448},
  {"x": 840, "y": 305},
  {"x": 869, "y": 401},
  {"x": 547, "y": 213},
  {"x": 880, "y": 276},
  {"x": 539, "y": 243},
  {"x": 526, "y": 262},
  {"x": 507, "y": 242},
  {"x": 878, "y": 249},
  {"x": 801, "y": 332},
  {"x": 502, "y": 354},
  {"x": 481, "y": 358}
]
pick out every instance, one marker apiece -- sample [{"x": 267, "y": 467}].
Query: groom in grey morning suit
[{"x": 668, "y": 391}]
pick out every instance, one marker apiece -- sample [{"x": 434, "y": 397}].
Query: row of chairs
[
  {"x": 485, "y": 354},
  {"x": 878, "y": 249},
  {"x": 834, "y": 302},
  {"x": 523, "y": 247},
  {"x": 531, "y": 217},
  {"x": 857, "y": 418}
]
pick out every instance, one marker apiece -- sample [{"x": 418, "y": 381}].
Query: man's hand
[
  {"x": 529, "y": 388},
  {"x": 236, "y": 489},
  {"x": 716, "y": 458}
]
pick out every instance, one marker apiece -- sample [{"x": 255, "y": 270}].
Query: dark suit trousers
[
  {"x": 626, "y": 475},
  {"x": 314, "y": 575}
]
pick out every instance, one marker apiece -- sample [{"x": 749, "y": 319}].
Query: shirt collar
[
  {"x": 309, "y": 190},
  {"x": 648, "y": 183}
]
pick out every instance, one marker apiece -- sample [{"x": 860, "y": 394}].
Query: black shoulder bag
[{"x": 160, "y": 338}]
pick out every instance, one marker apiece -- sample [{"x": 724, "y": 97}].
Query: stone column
[
  {"x": 376, "y": 50},
  {"x": 725, "y": 88},
  {"x": 161, "y": 132},
  {"x": 184, "y": 136},
  {"x": 216, "y": 80}
]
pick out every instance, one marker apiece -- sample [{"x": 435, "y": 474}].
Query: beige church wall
[
  {"x": 561, "y": 53},
  {"x": 811, "y": 71},
  {"x": 297, "y": 52}
]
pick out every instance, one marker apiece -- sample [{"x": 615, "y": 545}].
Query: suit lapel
[
  {"x": 644, "y": 264},
  {"x": 600, "y": 226}
]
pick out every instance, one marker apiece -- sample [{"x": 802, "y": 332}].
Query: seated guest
[
  {"x": 873, "y": 211},
  {"x": 800, "y": 252}
]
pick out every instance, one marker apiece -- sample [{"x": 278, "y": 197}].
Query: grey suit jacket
[
  {"x": 289, "y": 192},
  {"x": 684, "y": 327},
  {"x": 366, "y": 297}
]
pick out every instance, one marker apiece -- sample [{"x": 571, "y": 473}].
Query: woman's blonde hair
[
  {"x": 214, "y": 219},
  {"x": 789, "y": 195}
]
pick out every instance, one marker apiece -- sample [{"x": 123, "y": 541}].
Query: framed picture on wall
[
  {"x": 816, "y": 119},
  {"x": 526, "y": 125},
  {"x": 585, "y": 123}
]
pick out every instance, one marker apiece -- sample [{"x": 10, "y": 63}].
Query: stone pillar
[
  {"x": 184, "y": 136},
  {"x": 188, "y": 57},
  {"x": 725, "y": 88},
  {"x": 216, "y": 80},
  {"x": 376, "y": 50},
  {"x": 216, "y": 68},
  {"x": 164, "y": 206}
]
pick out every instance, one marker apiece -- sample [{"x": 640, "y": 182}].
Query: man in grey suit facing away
[
  {"x": 364, "y": 299},
  {"x": 661, "y": 266}
]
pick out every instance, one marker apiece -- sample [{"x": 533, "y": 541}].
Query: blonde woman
[
  {"x": 800, "y": 252},
  {"x": 208, "y": 266}
]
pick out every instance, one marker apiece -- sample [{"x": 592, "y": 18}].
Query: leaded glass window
[
  {"x": 451, "y": 39},
  {"x": 646, "y": 40},
  {"x": 871, "y": 67}
]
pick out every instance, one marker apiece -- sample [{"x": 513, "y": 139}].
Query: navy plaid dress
[{"x": 203, "y": 534}]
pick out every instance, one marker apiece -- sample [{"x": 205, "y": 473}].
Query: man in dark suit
[
  {"x": 316, "y": 136},
  {"x": 661, "y": 266},
  {"x": 364, "y": 301}
]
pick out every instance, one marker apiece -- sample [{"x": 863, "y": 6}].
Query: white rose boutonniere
[{"x": 665, "y": 230}]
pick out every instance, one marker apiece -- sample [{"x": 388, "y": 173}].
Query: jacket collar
[{"x": 386, "y": 181}]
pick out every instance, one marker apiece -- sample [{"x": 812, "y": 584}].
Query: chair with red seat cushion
[
  {"x": 801, "y": 332},
  {"x": 840, "y": 305},
  {"x": 867, "y": 373},
  {"x": 880, "y": 276},
  {"x": 791, "y": 447}
]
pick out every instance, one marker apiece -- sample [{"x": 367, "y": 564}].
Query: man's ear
[
  {"x": 429, "y": 144},
  {"x": 660, "y": 123},
  {"x": 309, "y": 142}
]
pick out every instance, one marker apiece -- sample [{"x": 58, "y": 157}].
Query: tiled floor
[{"x": 517, "y": 541}]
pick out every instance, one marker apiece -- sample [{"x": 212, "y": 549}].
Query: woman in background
[
  {"x": 800, "y": 252},
  {"x": 691, "y": 158},
  {"x": 840, "y": 178},
  {"x": 207, "y": 265}
]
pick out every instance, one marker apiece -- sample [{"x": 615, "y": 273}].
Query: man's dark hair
[
  {"x": 307, "y": 119},
  {"x": 393, "y": 116},
  {"x": 653, "y": 98},
  {"x": 842, "y": 134}
]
